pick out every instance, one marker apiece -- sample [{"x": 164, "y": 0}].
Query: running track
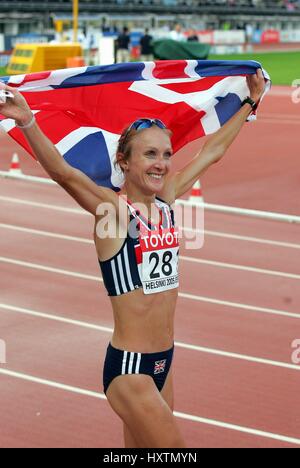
[{"x": 237, "y": 314}]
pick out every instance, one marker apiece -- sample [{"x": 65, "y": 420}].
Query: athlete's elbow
[
  {"x": 219, "y": 155},
  {"x": 61, "y": 176},
  {"x": 216, "y": 153},
  {"x": 56, "y": 177}
]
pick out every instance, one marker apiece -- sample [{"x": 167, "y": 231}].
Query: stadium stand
[
  {"x": 29, "y": 15},
  {"x": 208, "y": 5}
]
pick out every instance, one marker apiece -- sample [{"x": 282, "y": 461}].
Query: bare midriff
[{"x": 144, "y": 323}]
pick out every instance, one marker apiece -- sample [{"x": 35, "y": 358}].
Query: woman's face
[{"x": 149, "y": 163}]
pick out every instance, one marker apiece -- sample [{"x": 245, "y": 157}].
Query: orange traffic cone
[
  {"x": 15, "y": 167},
  {"x": 196, "y": 195}
]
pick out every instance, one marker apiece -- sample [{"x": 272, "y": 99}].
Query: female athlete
[{"x": 139, "y": 268}]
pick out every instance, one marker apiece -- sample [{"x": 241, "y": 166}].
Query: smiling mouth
[{"x": 156, "y": 176}]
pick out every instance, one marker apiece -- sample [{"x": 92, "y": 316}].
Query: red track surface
[{"x": 256, "y": 319}]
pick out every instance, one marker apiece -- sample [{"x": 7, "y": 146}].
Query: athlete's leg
[
  {"x": 143, "y": 409},
  {"x": 167, "y": 390},
  {"x": 129, "y": 440},
  {"x": 167, "y": 394}
]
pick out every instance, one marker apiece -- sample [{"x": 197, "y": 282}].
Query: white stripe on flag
[
  {"x": 70, "y": 140},
  {"x": 16, "y": 79},
  {"x": 147, "y": 73},
  {"x": 111, "y": 140},
  {"x": 124, "y": 362},
  {"x": 237, "y": 84},
  {"x": 190, "y": 69},
  {"x": 10, "y": 124},
  {"x": 199, "y": 101},
  {"x": 56, "y": 78}
]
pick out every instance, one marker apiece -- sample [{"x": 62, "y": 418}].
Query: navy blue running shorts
[{"x": 118, "y": 362}]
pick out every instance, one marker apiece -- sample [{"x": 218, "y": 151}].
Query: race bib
[{"x": 160, "y": 251}]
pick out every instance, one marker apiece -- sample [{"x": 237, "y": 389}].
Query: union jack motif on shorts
[{"x": 160, "y": 366}]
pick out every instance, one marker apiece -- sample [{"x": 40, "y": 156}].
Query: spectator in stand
[
  {"x": 193, "y": 36},
  {"x": 290, "y": 6},
  {"x": 123, "y": 41},
  {"x": 114, "y": 29},
  {"x": 146, "y": 47},
  {"x": 249, "y": 33},
  {"x": 177, "y": 34}
]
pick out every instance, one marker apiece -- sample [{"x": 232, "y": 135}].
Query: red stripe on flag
[
  {"x": 17, "y": 135},
  {"x": 64, "y": 110},
  {"x": 32, "y": 77},
  {"x": 56, "y": 125},
  {"x": 193, "y": 86},
  {"x": 175, "y": 69}
]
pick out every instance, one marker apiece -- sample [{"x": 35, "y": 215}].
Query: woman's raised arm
[
  {"x": 217, "y": 145},
  {"x": 77, "y": 184}
]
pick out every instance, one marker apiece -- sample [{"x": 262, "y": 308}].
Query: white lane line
[
  {"x": 238, "y": 305},
  {"x": 57, "y": 318},
  {"x": 186, "y": 416},
  {"x": 50, "y": 383},
  {"x": 201, "y": 349},
  {"x": 241, "y": 267},
  {"x": 242, "y": 357},
  {"x": 207, "y": 232},
  {"x": 64, "y": 209},
  {"x": 183, "y": 295},
  {"x": 234, "y": 427},
  {"x": 36, "y": 266},
  {"x": 258, "y": 240},
  {"x": 38, "y": 232},
  {"x": 184, "y": 258}
]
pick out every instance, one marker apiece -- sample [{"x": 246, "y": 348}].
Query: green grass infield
[{"x": 283, "y": 67}]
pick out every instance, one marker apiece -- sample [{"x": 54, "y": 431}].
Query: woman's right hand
[{"x": 15, "y": 108}]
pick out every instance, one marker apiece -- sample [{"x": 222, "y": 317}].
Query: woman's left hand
[{"x": 256, "y": 84}]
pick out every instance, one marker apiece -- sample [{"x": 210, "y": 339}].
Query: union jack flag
[
  {"x": 84, "y": 110},
  {"x": 160, "y": 366}
]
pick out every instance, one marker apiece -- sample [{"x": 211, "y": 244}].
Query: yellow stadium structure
[{"x": 30, "y": 58}]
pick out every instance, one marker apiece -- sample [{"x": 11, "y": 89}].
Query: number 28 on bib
[{"x": 160, "y": 250}]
